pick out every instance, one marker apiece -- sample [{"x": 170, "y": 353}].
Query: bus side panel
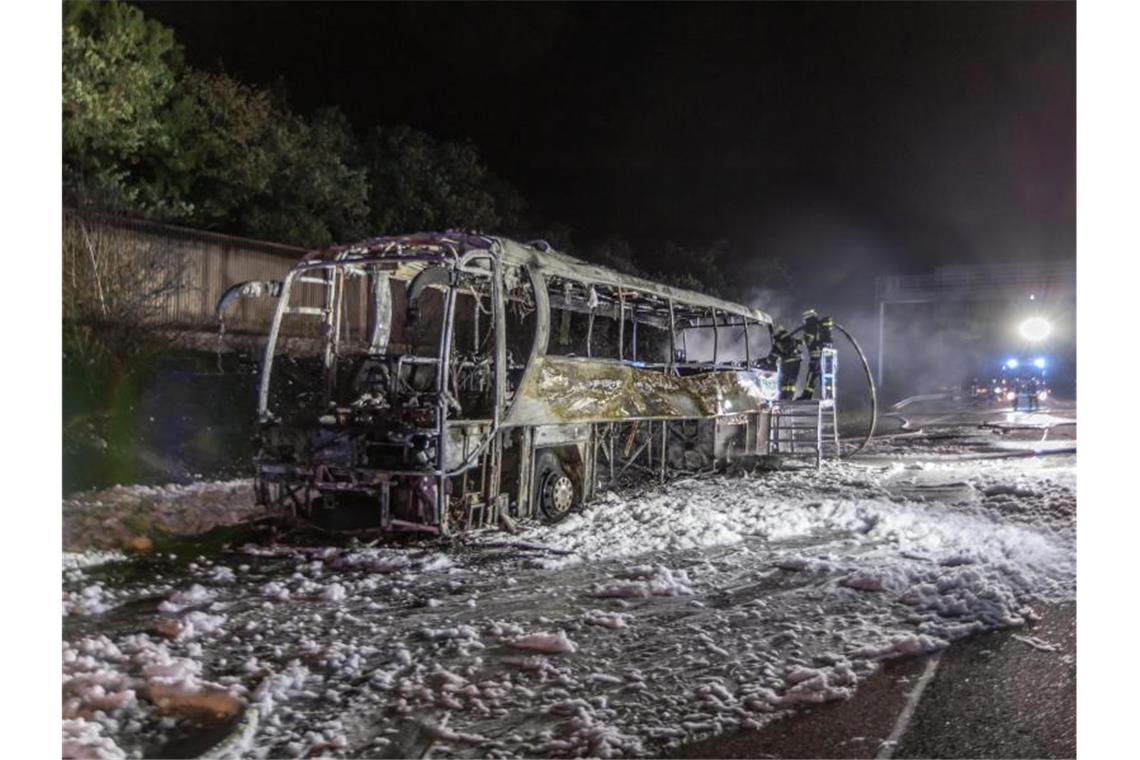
[{"x": 575, "y": 390}]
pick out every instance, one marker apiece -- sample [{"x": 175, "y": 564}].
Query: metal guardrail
[{"x": 983, "y": 281}]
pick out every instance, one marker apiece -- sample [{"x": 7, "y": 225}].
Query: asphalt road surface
[
  {"x": 1000, "y": 694},
  {"x": 1004, "y": 694}
]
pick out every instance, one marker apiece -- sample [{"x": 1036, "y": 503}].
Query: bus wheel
[{"x": 556, "y": 491}]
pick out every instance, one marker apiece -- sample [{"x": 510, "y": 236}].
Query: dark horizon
[{"x": 847, "y": 140}]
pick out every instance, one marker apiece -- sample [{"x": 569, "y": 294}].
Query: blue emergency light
[
  {"x": 1012, "y": 364},
  {"x": 1039, "y": 362}
]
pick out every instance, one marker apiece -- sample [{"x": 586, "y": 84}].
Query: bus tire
[{"x": 556, "y": 493}]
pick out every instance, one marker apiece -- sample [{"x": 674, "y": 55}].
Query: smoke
[
  {"x": 832, "y": 260},
  {"x": 941, "y": 346},
  {"x": 822, "y": 261},
  {"x": 781, "y": 304}
]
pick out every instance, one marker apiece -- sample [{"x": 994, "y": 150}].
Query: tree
[
  {"x": 226, "y": 130},
  {"x": 419, "y": 183},
  {"x": 705, "y": 268},
  {"x": 146, "y": 135},
  {"x": 119, "y": 74},
  {"x": 257, "y": 168},
  {"x": 319, "y": 194},
  {"x": 616, "y": 253}
]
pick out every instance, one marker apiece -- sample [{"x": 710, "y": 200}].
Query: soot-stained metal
[{"x": 464, "y": 381}]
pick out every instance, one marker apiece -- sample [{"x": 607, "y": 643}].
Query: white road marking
[{"x": 888, "y": 747}]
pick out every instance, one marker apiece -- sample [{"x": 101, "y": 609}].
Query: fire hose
[{"x": 870, "y": 386}]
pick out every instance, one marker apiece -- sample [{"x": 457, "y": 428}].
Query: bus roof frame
[{"x": 537, "y": 255}]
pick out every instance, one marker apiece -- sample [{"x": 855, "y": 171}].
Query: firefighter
[
  {"x": 786, "y": 348},
  {"x": 817, "y": 337},
  {"x": 1034, "y": 391}
]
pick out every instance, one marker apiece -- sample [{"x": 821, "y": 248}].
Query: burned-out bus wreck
[{"x": 455, "y": 381}]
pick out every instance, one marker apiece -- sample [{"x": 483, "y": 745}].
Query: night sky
[{"x": 867, "y": 138}]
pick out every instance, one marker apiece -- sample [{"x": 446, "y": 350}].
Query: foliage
[
  {"x": 119, "y": 75},
  {"x": 705, "y": 268},
  {"x": 616, "y": 253},
  {"x": 144, "y": 134},
  {"x": 257, "y": 168},
  {"x": 419, "y": 183},
  {"x": 715, "y": 268}
]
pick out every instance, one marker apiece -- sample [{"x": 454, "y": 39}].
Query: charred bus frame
[{"x": 431, "y": 436}]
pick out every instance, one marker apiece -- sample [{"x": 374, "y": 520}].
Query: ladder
[
  {"x": 808, "y": 429},
  {"x": 827, "y": 363},
  {"x": 804, "y": 430}
]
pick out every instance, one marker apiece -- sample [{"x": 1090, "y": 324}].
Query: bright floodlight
[
  {"x": 1039, "y": 363},
  {"x": 1012, "y": 364},
  {"x": 1035, "y": 329}
]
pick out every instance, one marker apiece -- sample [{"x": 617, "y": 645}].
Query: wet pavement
[{"x": 996, "y": 695}]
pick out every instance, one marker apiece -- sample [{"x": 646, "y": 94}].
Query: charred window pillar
[
  {"x": 441, "y": 379},
  {"x": 271, "y": 347},
  {"x": 716, "y": 339},
  {"x": 621, "y": 323},
  {"x": 330, "y": 328},
  {"x": 379, "y": 313},
  {"x": 672, "y": 338}
]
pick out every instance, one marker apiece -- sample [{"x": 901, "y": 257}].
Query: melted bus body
[{"x": 442, "y": 382}]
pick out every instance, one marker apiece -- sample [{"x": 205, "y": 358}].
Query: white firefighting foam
[{"x": 704, "y": 606}]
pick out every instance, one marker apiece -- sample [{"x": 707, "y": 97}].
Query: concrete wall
[{"x": 103, "y": 254}]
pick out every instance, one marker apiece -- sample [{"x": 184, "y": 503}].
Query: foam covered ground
[{"x": 647, "y": 620}]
